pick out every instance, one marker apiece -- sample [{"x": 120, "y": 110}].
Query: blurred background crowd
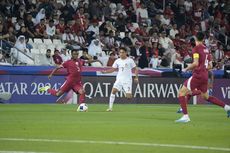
[{"x": 156, "y": 33}]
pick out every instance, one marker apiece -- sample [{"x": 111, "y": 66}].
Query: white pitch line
[
  {"x": 120, "y": 143},
  {"x": 21, "y": 152}
]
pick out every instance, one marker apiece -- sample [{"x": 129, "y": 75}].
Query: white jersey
[{"x": 124, "y": 67}]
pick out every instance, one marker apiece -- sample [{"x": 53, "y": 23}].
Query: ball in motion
[{"x": 83, "y": 107}]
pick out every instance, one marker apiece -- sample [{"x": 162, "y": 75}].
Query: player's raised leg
[{"x": 217, "y": 102}]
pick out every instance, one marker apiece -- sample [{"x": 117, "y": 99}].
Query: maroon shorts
[
  {"x": 193, "y": 83},
  {"x": 70, "y": 84}
]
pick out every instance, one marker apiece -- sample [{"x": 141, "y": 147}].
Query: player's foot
[
  {"x": 227, "y": 109},
  {"x": 44, "y": 88},
  {"x": 183, "y": 119},
  {"x": 228, "y": 113},
  {"x": 179, "y": 110},
  {"x": 109, "y": 110}
]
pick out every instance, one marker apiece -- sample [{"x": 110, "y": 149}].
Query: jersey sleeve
[
  {"x": 115, "y": 65},
  {"x": 132, "y": 63},
  {"x": 195, "y": 53}
]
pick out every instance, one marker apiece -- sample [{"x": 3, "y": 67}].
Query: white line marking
[
  {"x": 21, "y": 152},
  {"x": 120, "y": 143}
]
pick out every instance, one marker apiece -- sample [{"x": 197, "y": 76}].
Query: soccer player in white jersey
[{"x": 124, "y": 65}]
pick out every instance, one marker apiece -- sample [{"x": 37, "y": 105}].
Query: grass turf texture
[{"x": 152, "y": 124}]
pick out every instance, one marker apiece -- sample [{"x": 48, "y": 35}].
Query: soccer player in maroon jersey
[
  {"x": 199, "y": 79},
  {"x": 73, "y": 79}
]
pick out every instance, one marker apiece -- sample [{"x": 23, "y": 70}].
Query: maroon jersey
[
  {"x": 74, "y": 69},
  {"x": 201, "y": 71}
]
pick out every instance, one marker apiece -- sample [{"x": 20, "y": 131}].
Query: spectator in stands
[
  {"x": 68, "y": 38},
  {"x": 57, "y": 58},
  {"x": 142, "y": 15},
  {"x": 93, "y": 29},
  {"x": 19, "y": 24},
  {"x": 164, "y": 40},
  {"x": 95, "y": 48},
  {"x": 12, "y": 38},
  {"x": 21, "y": 44},
  {"x": 173, "y": 31},
  {"x": 60, "y": 27},
  {"x": 110, "y": 41},
  {"x": 41, "y": 29},
  {"x": 145, "y": 54},
  {"x": 111, "y": 59},
  {"x": 120, "y": 23},
  {"x": 29, "y": 25},
  {"x": 126, "y": 41},
  {"x": 51, "y": 30},
  {"x": 41, "y": 15},
  {"x": 21, "y": 53},
  {"x": 79, "y": 41},
  {"x": 86, "y": 57},
  {"x": 154, "y": 60},
  {"x": 64, "y": 55},
  {"x": 46, "y": 59},
  {"x": 135, "y": 51},
  {"x": 117, "y": 39}
]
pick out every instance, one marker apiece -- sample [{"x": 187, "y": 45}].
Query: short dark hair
[
  {"x": 124, "y": 49},
  {"x": 74, "y": 50},
  {"x": 200, "y": 36}
]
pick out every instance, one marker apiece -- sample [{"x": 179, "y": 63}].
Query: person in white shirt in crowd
[
  {"x": 219, "y": 57},
  {"x": 124, "y": 65},
  {"x": 142, "y": 15},
  {"x": 79, "y": 41},
  {"x": 164, "y": 40},
  {"x": 68, "y": 38},
  {"x": 109, "y": 40},
  {"x": 51, "y": 30},
  {"x": 165, "y": 19},
  {"x": 95, "y": 49},
  {"x": 173, "y": 31},
  {"x": 94, "y": 28},
  {"x": 46, "y": 59},
  {"x": 21, "y": 53},
  {"x": 64, "y": 55},
  {"x": 41, "y": 15}
]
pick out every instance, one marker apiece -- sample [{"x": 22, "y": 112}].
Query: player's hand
[
  {"x": 49, "y": 76},
  {"x": 136, "y": 80}
]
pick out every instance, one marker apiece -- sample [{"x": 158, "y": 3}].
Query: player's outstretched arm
[
  {"x": 54, "y": 70},
  {"x": 109, "y": 70}
]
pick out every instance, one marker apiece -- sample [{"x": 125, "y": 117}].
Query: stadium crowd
[{"x": 156, "y": 34}]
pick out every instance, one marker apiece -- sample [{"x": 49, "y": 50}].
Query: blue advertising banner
[{"x": 24, "y": 88}]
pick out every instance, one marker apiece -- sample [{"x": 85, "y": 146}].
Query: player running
[
  {"x": 124, "y": 65},
  {"x": 73, "y": 79},
  {"x": 198, "y": 80}
]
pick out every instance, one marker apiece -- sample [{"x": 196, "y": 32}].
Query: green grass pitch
[{"x": 132, "y": 128}]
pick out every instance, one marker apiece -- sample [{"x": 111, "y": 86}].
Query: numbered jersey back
[{"x": 202, "y": 53}]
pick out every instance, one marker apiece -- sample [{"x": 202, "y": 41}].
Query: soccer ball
[{"x": 83, "y": 107}]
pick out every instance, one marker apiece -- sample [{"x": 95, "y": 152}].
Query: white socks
[
  {"x": 226, "y": 108},
  {"x": 111, "y": 100}
]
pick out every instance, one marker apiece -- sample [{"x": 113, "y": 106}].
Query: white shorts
[{"x": 126, "y": 86}]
